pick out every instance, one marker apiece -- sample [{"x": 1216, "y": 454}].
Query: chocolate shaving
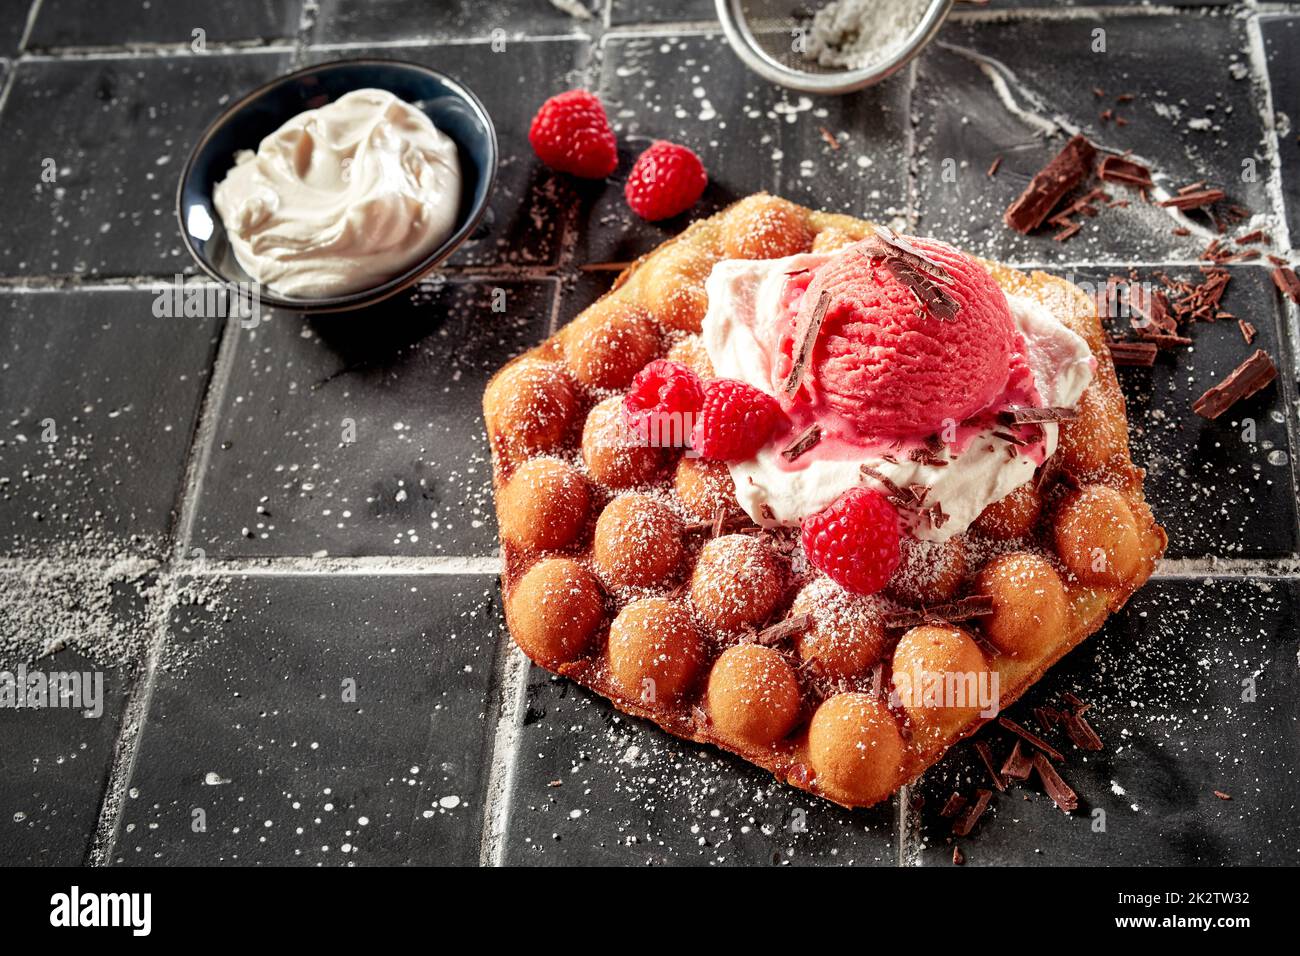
[
  {"x": 986, "y": 758},
  {"x": 909, "y": 497},
  {"x": 1133, "y": 353},
  {"x": 928, "y": 453},
  {"x": 966, "y": 822},
  {"x": 719, "y": 520},
  {"x": 1259, "y": 235},
  {"x": 1115, "y": 169},
  {"x": 1025, "y": 415},
  {"x": 1284, "y": 278},
  {"x": 954, "y": 805},
  {"x": 929, "y": 295},
  {"x": 977, "y": 605},
  {"x": 806, "y": 343},
  {"x": 1152, "y": 306},
  {"x": 1069, "y": 168},
  {"x": 1081, "y": 733},
  {"x": 896, "y": 247},
  {"x": 1056, "y": 788},
  {"x": 778, "y": 632},
  {"x": 1067, "y": 232},
  {"x": 1162, "y": 341},
  {"x": 1017, "y": 766},
  {"x": 1248, "y": 331},
  {"x": 1010, "y": 438},
  {"x": 1075, "y": 702},
  {"x": 958, "y": 858},
  {"x": 807, "y": 440},
  {"x": 1242, "y": 382},
  {"x": 993, "y": 167},
  {"x": 1031, "y": 738},
  {"x": 1222, "y": 796},
  {"x": 1047, "y": 717},
  {"x": 827, "y": 135},
  {"x": 1194, "y": 200}
]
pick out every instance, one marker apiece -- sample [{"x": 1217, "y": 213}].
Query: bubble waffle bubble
[{"x": 627, "y": 570}]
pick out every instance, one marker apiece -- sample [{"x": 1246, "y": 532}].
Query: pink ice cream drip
[{"x": 885, "y": 369}]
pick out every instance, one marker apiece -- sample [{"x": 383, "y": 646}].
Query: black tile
[
  {"x": 1185, "y": 71},
  {"x": 1221, "y": 488},
  {"x": 624, "y": 12},
  {"x": 13, "y": 21},
  {"x": 248, "y": 723},
  {"x": 347, "y": 21},
  {"x": 593, "y": 786},
  {"x": 63, "y": 23},
  {"x": 55, "y": 761},
  {"x": 1166, "y": 679},
  {"x": 363, "y": 434},
  {"x": 98, "y": 408},
  {"x": 525, "y": 221},
  {"x": 751, "y": 136},
  {"x": 1281, "y": 43},
  {"x": 117, "y": 133}
]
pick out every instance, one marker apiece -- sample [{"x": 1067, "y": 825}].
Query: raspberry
[
  {"x": 571, "y": 133},
  {"x": 662, "y": 395},
  {"x": 855, "y": 540},
  {"x": 667, "y": 179},
  {"x": 735, "y": 420}
]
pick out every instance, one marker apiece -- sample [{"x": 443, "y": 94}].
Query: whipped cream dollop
[
  {"x": 749, "y": 305},
  {"x": 341, "y": 198}
]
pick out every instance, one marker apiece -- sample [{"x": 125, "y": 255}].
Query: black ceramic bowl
[{"x": 453, "y": 108}]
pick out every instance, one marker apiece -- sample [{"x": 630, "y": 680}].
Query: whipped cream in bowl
[
  {"x": 342, "y": 197},
  {"x": 339, "y": 185},
  {"x": 951, "y": 466}
]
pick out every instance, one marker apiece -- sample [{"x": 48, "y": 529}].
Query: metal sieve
[{"x": 765, "y": 34}]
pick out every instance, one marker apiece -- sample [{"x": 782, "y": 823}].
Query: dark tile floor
[
  {"x": 94, "y": 23},
  {"x": 996, "y": 88},
  {"x": 367, "y": 438},
  {"x": 364, "y": 20},
  {"x": 93, "y": 148},
  {"x": 301, "y": 720},
  {"x": 99, "y": 413},
  {"x": 278, "y": 515}
]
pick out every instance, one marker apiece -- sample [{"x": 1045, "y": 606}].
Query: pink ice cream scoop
[{"x": 889, "y": 367}]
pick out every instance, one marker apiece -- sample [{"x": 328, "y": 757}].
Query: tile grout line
[
  {"x": 181, "y": 50},
  {"x": 1287, "y": 567},
  {"x": 127, "y": 745},
  {"x": 33, "y": 12},
  {"x": 1267, "y": 115},
  {"x": 1289, "y": 338},
  {"x": 503, "y": 762}
]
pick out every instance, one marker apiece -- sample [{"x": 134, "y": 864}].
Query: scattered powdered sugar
[
  {"x": 95, "y": 607},
  {"x": 861, "y": 33}
]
